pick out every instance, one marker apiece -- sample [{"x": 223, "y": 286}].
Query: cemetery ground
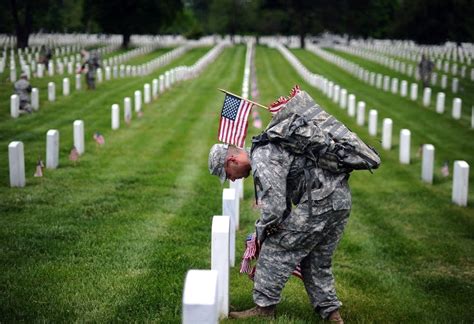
[{"x": 111, "y": 237}]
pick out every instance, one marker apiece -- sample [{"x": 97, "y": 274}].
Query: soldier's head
[
  {"x": 23, "y": 75},
  {"x": 229, "y": 162}
]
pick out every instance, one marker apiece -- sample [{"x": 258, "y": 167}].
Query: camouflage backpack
[{"x": 304, "y": 128}]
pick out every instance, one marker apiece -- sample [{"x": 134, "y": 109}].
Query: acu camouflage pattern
[
  {"x": 303, "y": 127},
  {"x": 290, "y": 233}
]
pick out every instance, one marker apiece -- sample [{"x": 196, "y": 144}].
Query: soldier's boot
[
  {"x": 335, "y": 317},
  {"x": 256, "y": 311}
]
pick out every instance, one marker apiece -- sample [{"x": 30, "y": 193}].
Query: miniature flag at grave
[
  {"x": 445, "y": 169},
  {"x": 74, "y": 155},
  {"x": 233, "y": 122},
  {"x": 39, "y": 168},
  {"x": 257, "y": 121},
  {"x": 280, "y": 103},
  {"x": 99, "y": 138}
]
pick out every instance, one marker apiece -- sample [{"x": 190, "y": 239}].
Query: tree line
[{"x": 424, "y": 21}]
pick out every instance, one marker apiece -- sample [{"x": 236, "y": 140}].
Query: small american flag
[
  {"x": 39, "y": 169},
  {"x": 445, "y": 169},
  {"x": 99, "y": 138},
  {"x": 74, "y": 155},
  {"x": 233, "y": 122},
  {"x": 257, "y": 121}
]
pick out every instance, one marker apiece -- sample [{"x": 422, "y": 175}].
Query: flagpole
[{"x": 233, "y": 94}]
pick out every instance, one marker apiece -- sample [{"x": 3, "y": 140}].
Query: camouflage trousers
[{"x": 305, "y": 241}]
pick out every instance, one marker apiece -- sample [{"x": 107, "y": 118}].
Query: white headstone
[
  {"x": 404, "y": 88},
  {"x": 440, "y": 102},
  {"x": 40, "y": 70},
  {"x": 373, "y": 114},
  {"x": 336, "y": 94},
  {"x": 360, "y": 113},
  {"x": 394, "y": 85},
  {"x": 220, "y": 260},
  {"x": 238, "y": 185},
  {"x": 343, "y": 100},
  {"x": 457, "y": 103},
  {"x": 14, "y": 106},
  {"x": 162, "y": 83},
  {"x": 155, "y": 88},
  {"x": 51, "y": 91},
  {"x": 460, "y": 183},
  {"x": 146, "y": 93},
  {"x": 414, "y": 91},
  {"x": 387, "y": 134},
  {"x": 138, "y": 100},
  {"x": 386, "y": 82},
  {"x": 434, "y": 78},
  {"x": 78, "y": 81},
  {"x": 229, "y": 204},
  {"x": 455, "y": 85},
  {"x": 427, "y": 97},
  {"x": 66, "y": 88},
  {"x": 427, "y": 164},
  {"x": 405, "y": 135},
  {"x": 127, "y": 110},
  {"x": 100, "y": 77},
  {"x": 12, "y": 74},
  {"x": 78, "y": 126},
  {"x": 52, "y": 149},
  {"x": 115, "y": 116},
  {"x": 167, "y": 79},
  {"x": 200, "y": 297},
  {"x": 51, "y": 68},
  {"x": 444, "y": 81},
  {"x": 35, "y": 98},
  {"x": 351, "y": 110},
  {"x": 378, "y": 84},
  {"x": 107, "y": 73},
  {"x": 16, "y": 162}
]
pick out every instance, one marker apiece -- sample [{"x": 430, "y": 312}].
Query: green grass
[{"x": 111, "y": 238}]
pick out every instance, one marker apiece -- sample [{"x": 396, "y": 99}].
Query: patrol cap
[
  {"x": 23, "y": 75},
  {"x": 217, "y": 156}
]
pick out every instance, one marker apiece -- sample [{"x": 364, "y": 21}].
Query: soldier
[
  {"x": 23, "y": 89},
  {"x": 425, "y": 67},
  {"x": 306, "y": 234},
  {"x": 90, "y": 65}
]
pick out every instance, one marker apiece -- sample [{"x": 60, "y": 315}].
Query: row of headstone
[
  {"x": 206, "y": 292},
  {"x": 341, "y": 96},
  {"x": 388, "y": 84},
  {"x": 16, "y": 157},
  {"x": 407, "y": 68}
]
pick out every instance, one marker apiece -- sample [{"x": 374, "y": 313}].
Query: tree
[{"x": 127, "y": 17}]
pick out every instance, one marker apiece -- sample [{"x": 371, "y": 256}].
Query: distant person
[
  {"x": 90, "y": 66},
  {"x": 23, "y": 90},
  {"x": 425, "y": 68},
  {"x": 45, "y": 55}
]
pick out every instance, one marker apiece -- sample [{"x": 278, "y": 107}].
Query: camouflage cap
[{"x": 217, "y": 159}]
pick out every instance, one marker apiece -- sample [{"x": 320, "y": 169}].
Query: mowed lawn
[{"x": 111, "y": 238}]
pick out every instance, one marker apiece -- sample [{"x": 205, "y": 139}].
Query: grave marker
[
  {"x": 127, "y": 110},
  {"x": 138, "y": 101},
  {"x": 146, "y": 93},
  {"x": 387, "y": 134},
  {"x": 35, "y": 99},
  {"x": 405, "y": 135},
  {"x": 373, "y": 122},
  {"x": 456, "y": 113},
  {"x": 200, "y": 297},
  {"x": 78, "y": 126},
  {"x": 220, "y": 260},
  {"x": 229, "y": 209},
  {"x": 460, "y": 183},
  {"x": 52, "y": 149},
  {"x": 16, "y": 162},
  {"x": 427, "y": 97},
  {"x": 351, "y": 108},
  {"x": 440, "y": 102},
  {"x": 115, "y": 116},
  {"x": 360, "y": 113},
  {"x": 427, "y": 164},
  {"x": 51, "y": 91},
  {"x": 14, "y": 106},
  {"x": 414, "y": 91},
  {"x": 66, "y": 87}
]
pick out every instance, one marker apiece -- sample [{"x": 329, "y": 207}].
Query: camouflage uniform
[
  {"x": 92, "y": 64},
  {"x": 426, "y": 67},
  {"x": 306, "y": 234}
]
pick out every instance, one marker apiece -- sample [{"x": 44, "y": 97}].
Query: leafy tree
[{"x": 127, "y": 17}]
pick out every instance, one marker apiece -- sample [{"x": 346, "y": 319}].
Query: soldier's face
[{"x": 237, "y": 168}]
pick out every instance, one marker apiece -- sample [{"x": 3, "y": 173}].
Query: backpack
[{"x": 302, "y": 127}]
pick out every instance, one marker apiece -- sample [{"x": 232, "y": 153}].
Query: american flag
[
  {"x": 39, "y": 169},
  {"x": 99, "y": 138},
  {"x": 233, "y": 123},
  {"x": 445, "y": 169},
  {"x": 74, "y": 155}
]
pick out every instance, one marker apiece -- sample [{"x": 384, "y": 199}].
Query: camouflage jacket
[
  {"x": 281, "y": 183},
  {"x": 22, "y": 89}
]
